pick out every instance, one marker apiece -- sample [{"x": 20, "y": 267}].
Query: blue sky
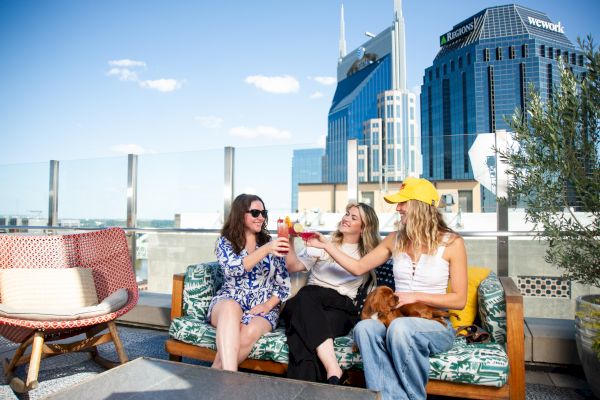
[
  {"x": 189, "y": 75},
  {"x": 87, "y": 79}
]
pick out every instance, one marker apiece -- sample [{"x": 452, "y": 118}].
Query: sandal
[{"x": 474, "y": 334}]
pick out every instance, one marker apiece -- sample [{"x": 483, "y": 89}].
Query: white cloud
[
  {"x": 162, "y": 85},
  {"x": 123, "y": 74},
  {"x": 125, "y": 70},
  {"x": 325, "y": 80},
  {"x": 209, "y": 121},
  {"x": 126, "y": 63},
  {"x": 274, "y": 84},
  {"x": 131, "y": 148},
  {"x": 316, "y": 95},
  {"x": 260, "y": 130}
]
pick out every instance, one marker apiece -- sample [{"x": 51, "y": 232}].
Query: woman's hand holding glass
[
  {"x": 279, "y": 246},
  {"x": 317, "y": 240}
]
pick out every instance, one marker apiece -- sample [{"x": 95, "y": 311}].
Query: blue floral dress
[{"x": 249, "y": 288}]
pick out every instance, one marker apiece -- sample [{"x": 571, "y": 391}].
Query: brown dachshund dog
[{"x": 381, "y": 303}]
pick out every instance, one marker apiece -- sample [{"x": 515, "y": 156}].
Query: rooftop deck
[{"x": 544, "y": 381}]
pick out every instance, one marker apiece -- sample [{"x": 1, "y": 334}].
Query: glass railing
[
  {"x": 92, "y": 192},
  {"x": 24, "y": 194},
  {"x": 180, "y": 210}
]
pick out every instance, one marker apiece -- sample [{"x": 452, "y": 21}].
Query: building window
[
  {"x": 459, "y": 62},
  {"x": 523, "y": 88},
  {"x": 524, "y": 51},
  {"x": 486, "y": 54},
  {"x": 573, "y": 58},
  {"x": 511, "y": 52},
  {"x": 549, "y": 82},
  {"x": 543, "y": 50},
  {"x": 465, "y": 200},
  {"x": 491, "y": 103},
  {"x": 550, "y": 52},
  {"x": 430, "y": 75},
  {"x": 447, "y": 128},
  {"x": 498, "y": 53},
  {"x": 580, "y": 60},
  {"x": 468, "y": 58},
  {"x": 437, "y": 72},
  {"x": 452, "y": 66},
  {"x": 565, "y": 55},
  {"x": 557, "y": 54},
  {"x": 445, "y": 69}
]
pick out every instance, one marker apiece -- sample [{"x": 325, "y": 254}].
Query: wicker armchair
[{"x": 106, "y": 253}]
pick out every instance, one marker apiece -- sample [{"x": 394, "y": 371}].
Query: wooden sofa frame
[{"x": 515, "y": 348}]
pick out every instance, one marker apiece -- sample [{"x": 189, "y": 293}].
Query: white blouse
[
  {"x": 430, "y": 274},
  {"x": 325, "y": 272}
]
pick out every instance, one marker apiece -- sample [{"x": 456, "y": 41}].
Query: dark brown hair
[{"x": 234, "y": 227}]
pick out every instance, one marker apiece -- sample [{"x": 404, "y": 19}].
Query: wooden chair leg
[
  {"x": 112, "y": 327},
  {"x": 34, "y": 360}
]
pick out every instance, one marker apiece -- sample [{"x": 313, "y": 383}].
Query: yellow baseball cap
[{"x": 415, "y": 189}]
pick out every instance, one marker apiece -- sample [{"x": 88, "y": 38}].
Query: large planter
[{"x": 587, "y": 337}]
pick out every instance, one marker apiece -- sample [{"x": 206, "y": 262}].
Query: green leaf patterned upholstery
[
  {"x": 482, "y": 364},
  {"x": 492, "y": 308}
]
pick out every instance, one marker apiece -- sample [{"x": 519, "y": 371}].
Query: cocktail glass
[
  {"x": 283, "y": 231},
  {"x": 306, "y": 235}
]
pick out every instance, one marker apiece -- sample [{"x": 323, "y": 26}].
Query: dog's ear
[{"x": 368, "y": 308}]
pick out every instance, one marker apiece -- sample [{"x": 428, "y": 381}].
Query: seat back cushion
[
  {"x": 492, "y": 308},
  {"x": 200, "y": 284},
  {"x": 51, "y": 313},
  {"x": 35, "y": 288},
  {"x": 467, "y": 315}
]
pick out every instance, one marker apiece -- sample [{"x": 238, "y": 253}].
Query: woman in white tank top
[{"x": 427, "y": 255}]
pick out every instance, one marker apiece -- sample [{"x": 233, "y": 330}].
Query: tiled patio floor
[{"x": 65, "y": 370}]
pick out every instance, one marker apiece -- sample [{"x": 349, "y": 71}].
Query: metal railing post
[
  {"x": 229, "y": 178},
  {"x": 53, "y": 194},
  {"x": 132, "y": 168},
  {"x": 352, "y": 170},
  {"x": 502, "y": 242}
]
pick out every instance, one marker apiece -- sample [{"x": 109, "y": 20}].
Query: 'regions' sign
[{"x": 457, "y": 33}]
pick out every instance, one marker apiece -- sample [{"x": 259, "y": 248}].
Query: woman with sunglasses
[
  {"x": 426, "y": 255},
  {"x": 325, "y": 308},
  {"x": 255, "y": 281}
]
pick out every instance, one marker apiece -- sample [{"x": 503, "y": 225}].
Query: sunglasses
[{"x": 255, "y": 213}]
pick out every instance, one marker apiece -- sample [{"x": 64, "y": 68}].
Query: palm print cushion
[
  {"x": 492, "y": 308},
  {"x": 483, "y": 364}
]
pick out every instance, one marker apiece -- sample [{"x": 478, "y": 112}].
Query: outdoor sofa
[{"x": 478, "y": 370}]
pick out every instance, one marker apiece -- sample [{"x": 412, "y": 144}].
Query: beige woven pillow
[{"x": 38, "y": 288}]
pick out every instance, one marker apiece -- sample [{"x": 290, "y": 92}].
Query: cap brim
[{"x": 395, "y": 198}]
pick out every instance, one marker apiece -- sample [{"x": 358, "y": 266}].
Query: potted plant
[{"x": 554, "y": 172}]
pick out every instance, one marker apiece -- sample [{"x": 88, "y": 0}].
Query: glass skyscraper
[
  {"x": 480, "y": 75},
  {"x": 371, "y": 104},
  {"x": 307, "y": 167}
]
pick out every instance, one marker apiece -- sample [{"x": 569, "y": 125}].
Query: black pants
[{"x": 314, "y": 315}]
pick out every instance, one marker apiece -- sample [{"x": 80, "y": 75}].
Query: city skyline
[
  {"x": 102, "y": 78},
  {"x": 88, "y": 82}
]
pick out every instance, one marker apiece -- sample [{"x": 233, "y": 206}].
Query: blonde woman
[
  {"x": 426, "y": 255},
  {"x": 325, "y": 307}
]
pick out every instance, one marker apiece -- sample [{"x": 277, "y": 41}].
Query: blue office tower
[
  {"x": 480, "y": 75},
  {"x": 371, "y": 104},
  {"x": 307, "y": 167}
]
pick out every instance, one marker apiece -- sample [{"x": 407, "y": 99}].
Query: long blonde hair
[
  {"x": 369, "y": 235},
  {"x": 425, "y": 228}
]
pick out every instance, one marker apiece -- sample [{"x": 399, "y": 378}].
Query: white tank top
[{"x": 429, "y": 274}]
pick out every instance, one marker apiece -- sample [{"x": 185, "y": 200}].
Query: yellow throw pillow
[{"x": 467, "y": 315}]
